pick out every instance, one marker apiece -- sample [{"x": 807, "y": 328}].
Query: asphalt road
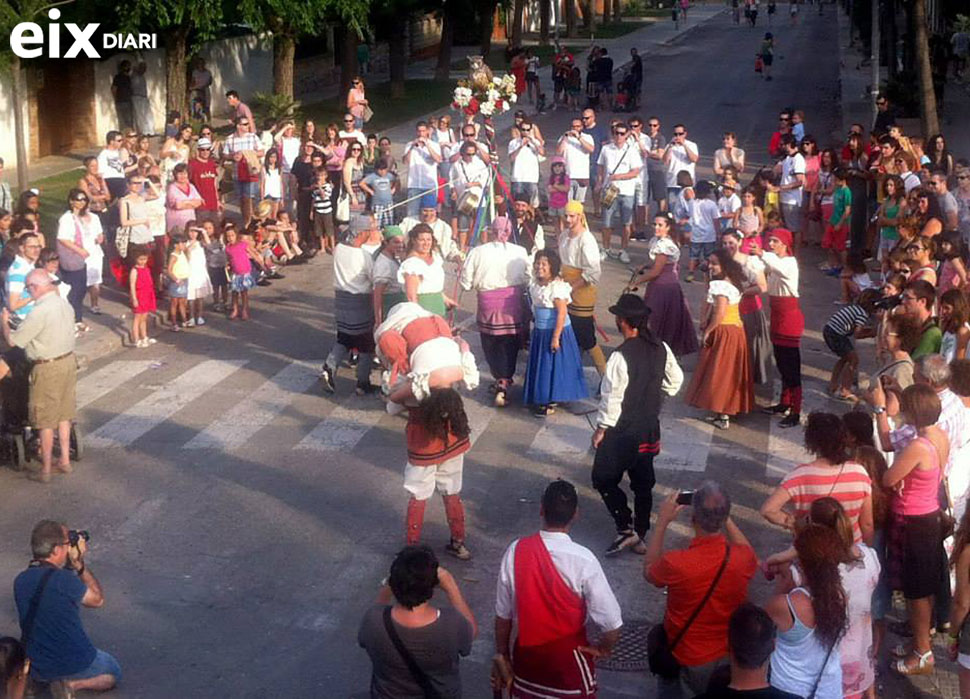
[{"x": 241, "y": 520}]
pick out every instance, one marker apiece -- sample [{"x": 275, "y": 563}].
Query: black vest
[{"x": 646, "y": 361}]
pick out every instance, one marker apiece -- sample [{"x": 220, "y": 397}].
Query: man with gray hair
[{"x": 705, "y": 584}]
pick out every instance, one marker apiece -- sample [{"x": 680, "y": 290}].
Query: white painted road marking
[
  {"x": 100, "y": 383},
  {"x": 237, "y": 425},
  {"x": 137, "y": 420},
  {"x": 342, "y": 430}
]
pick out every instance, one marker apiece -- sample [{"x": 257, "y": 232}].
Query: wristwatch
[{"x": 879, "y": 411}]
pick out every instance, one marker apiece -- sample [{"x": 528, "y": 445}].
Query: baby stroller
[{"x": 19, "y": 443}]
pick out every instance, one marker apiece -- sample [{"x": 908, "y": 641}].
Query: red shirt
[
  {"x": 687, "y": 574},
  {"x": 205, "y": 177}
]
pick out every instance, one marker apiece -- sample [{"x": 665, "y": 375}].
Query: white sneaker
[
  {"x": 200, "y": 321},
  {"x": 612, "y": 253},
  {"x": 624, "y": 257},
  {"x": 190, "y": 323},
  {"x": 603, "y": 254},
  {"x": 141, "y": 344}
]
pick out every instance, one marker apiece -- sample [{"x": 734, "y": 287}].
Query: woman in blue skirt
[{"x": 555, "y": 371}]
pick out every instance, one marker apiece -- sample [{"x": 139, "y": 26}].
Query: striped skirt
[{"x": 354, "y": 313}]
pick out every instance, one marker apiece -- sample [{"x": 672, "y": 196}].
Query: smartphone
[{"x": 685, "y": 498}]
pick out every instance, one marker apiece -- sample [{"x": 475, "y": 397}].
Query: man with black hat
[{"x": 627, "y": 437}]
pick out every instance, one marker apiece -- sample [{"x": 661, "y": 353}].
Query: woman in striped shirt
[{"x": 831, "y": 474}]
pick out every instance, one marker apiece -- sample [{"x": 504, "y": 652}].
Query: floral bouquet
[{"x": 485, "y": 97}]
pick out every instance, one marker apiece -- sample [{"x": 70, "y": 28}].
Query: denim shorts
[
  {"x": 840, "y": 344},
  {"x": 701, "y": 251},
  {"x": 103, "y": 664},
  {"x": 248, "y": 190},
  {"x": 178, "y": 289},
  {"x": 622, "y": 205}
]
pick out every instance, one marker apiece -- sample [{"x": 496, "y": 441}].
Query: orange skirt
[{"x": 722, "y": 381}]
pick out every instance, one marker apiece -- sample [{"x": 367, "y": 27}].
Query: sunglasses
[
  {"x": 680, "y": 133},
  {"x": 585, "y": 118},
  {"x": 80, "y": 199},
  {"x": 963, "y": 177},
  {"x": 654, "y": 124},
  {"x": 620, "y": 133}
]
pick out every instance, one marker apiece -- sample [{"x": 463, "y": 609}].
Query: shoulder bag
[
  {"x": 123, "y": 234},
  {"x": 821, "y": 672},
  {"x": 417, "y": 673},
  {"x": 660, "y": 651},
  {"x": 70, "y": 260},
  {"x": 368, "y": 113},
  {"x": 31, "y": 617},
  {"x": 611, "y": 191}
]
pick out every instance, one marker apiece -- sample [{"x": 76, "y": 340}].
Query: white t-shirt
[
  {"x": 495, "y": 265},
  {"x": 356, "y": 134},
  {"x": 619, "y": 161},
  {"x": 352, "y": 269},
  {"x": 728, "y": 205},
  {"x": 109, "y": 164},
  {"x": 702, "y": 216},
  {"x": 790, "y": 167},
  {"x": 679, "y": 161},
  {"x": 525, "y": 167},
  {"x": 289, "y": 152},
  {"x": 577, "y": 160},
  {"x": 422, "y": 169},
  {"x": 463, "y": 173}
]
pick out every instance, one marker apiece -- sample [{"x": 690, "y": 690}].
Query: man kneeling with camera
[{"x": 49, "y": 597}]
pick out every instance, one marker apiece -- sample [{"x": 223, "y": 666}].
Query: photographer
[
  {"x": 413, "y": 645},
  {"x": 575, "y": 147},
  {"x": 706, "y": 581},
  {"x": 49, "y": 595}
]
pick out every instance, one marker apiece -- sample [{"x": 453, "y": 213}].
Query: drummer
[
  {"x": 581, "y": 269},
  {"x": 499, "y": 272},
  {"x": 469, "y": 176},
  {"x": 442, "y": 231}
]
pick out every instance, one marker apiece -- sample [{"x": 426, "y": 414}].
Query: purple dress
[{"x": 670, "y": 318}]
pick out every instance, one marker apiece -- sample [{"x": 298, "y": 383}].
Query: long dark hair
[
  {"x": 731, "y": 270},
  {"x": 442, "y": 414},
  {"x": 820, "y": 551},
  {"x": 875, "y": 464},
  {"x": 944, "y": 159},
  {"x": 413, "y": 238}
]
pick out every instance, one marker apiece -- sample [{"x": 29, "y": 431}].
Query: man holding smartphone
[{"x": 627, "y": 436}]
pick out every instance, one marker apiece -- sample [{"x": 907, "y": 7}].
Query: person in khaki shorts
[{"x": 47, "y": 338}]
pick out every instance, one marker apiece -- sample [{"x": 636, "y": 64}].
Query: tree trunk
[
  {"x": 544, "y": 22},
  {"x": 443, "y": 68},
  {"x": 927, "y": 103},
  {"x": 397, "y": 56},
  {"x": 515, "y": 31},
  {"x": 570, "y": 6},
  {"x": 607, "y": 10},
  {"x": 348, "y": 61},
  {"x": 284, "y": 52},
  {"x": 176, "y": 48},
  {"x": 19, "y": 99},
  {"x": 588, "y": 8},
  {"x": 617, "y": 11},
  {"x": 488, "y": 24}
]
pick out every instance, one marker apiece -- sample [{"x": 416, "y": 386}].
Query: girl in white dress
[{"x": 199, "y": 285}]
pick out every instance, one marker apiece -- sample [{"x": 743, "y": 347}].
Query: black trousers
[
  {"x": 789, "y": 361},
  {"x": 502, "y": 353},
  {"x": 304, "y": 226},
  {"x": 625, "y": 452}
]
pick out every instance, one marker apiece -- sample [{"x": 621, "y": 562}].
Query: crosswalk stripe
[
  {"x": 239, "y": 424},
  {"x": 342, "y": 430},
  {"x": 100, "y": 383},
  {"x": 564, "y": 435},
  {"x": 480, "y": 416},
  {"x": 137, "y": 420},
  {"x": 685, "y": 443}
]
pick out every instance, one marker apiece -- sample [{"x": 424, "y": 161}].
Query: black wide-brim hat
[{"x": 630, "y": 306}]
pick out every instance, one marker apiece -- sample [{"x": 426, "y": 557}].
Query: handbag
[
  {"x": 417, "y": 673},
  {"x": 368, "y": 113},
  {"x": 342, "y": 212},
  {"x": 947, "y": 521},
  {"x": 611, "y": 191},
  {"x": 123, "y": 235},
  {"x": 70, "y": 260},
  {"x": 759, "y": 63},
  {"x": 660, "y": 651}
]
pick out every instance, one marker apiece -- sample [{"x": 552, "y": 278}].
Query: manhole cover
[{"x": 630, "y": 653}]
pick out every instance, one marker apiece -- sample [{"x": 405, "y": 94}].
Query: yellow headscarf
[{"x": 576, "y": 207}]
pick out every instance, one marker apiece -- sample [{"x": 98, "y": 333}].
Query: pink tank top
[
  {"x": 239, "y": 261},
  {"x": 921, "y": 488}
]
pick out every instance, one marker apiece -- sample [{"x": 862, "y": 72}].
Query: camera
[
  {"x": 887, "y": 303},
  {"x": 685, "y": 497},
  {"x": 74, "y": 536}
]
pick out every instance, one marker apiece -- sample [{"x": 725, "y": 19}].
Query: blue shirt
[
  {"x": 382, "y": 188},
  {"x": 17, "y": 284},
  {"x": 58, "y": 646}
]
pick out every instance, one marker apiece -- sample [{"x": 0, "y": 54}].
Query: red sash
[
  {"x": 552, "y": 625},
  {"x": 787, "y": 321}
]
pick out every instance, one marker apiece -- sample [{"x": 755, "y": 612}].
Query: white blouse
[
  {"x": 782, "y": 274},
  {"x": 663, "y": 246},
  {"x": 722, "y": 287},
  {"x": 385, "y": 271},
  {"x": 545, "y": 295},
  {"x": 432, "y": 275},
  {"x": 495, "y": 266}
]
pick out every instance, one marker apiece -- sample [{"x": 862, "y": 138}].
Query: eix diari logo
[{"x": 27, "y": 40}]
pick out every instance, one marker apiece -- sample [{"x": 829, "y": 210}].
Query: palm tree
[{"x": 928, "y": 114}]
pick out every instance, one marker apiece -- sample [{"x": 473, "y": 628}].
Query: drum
[
  {"x": 469, "y": 200},
  {"x": 609, "y": 195}
]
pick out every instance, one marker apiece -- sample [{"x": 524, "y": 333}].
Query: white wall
[{"x": 104, "y": 106}]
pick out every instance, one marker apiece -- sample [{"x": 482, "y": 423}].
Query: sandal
[
  {"x": 901, "y": 650},
  {"x": 925, "y": 665}
]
